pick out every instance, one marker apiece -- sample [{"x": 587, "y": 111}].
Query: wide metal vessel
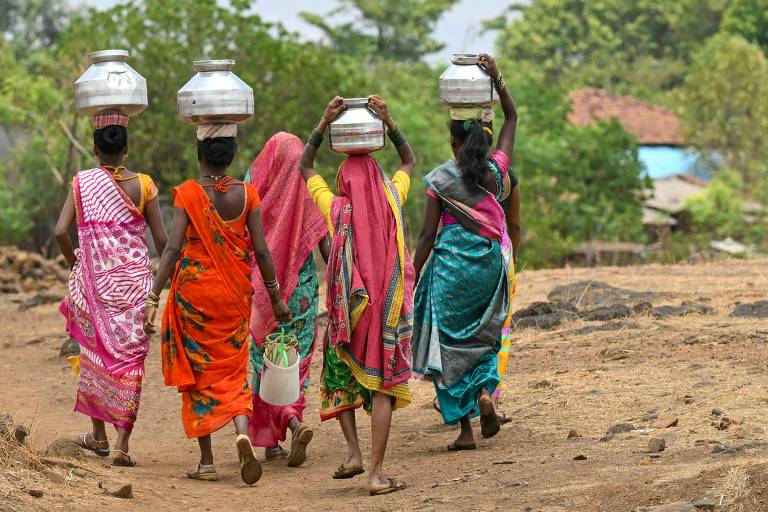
[
  {"x": 110, "y": 84},
  {"x": 465, "y": 83},
  {"x": 357, "y": 130},
  {"x": 215, "y": 95}
]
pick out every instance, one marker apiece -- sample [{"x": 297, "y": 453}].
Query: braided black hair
[
  {"x": 111, "y": 140},
  {"x": 472, "y": 157},
  {"x": 217, "y": 152}
]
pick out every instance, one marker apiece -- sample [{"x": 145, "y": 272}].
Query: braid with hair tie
[{"x": 468, "y": 123}]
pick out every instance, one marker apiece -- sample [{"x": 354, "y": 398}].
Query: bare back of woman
[{"x": 227, "y": 196}]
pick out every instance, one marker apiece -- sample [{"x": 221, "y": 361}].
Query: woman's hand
[
  {"x": 489, "y": 65},
  {"x": 379, "y": 106},
  {"x": 335, "y": 107},
  {"x": 149, "y": 320},
  {"x": 280, "y": 308}
]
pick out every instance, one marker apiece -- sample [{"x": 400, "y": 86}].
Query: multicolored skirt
[
  {"x": 101, "y": 396},
  {"x": 462, "y": 303}
]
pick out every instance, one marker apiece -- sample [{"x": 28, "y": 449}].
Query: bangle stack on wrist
[
  {"x": 396, "y": 136},
  {"x": 315, "y": 139},
  {"x": 273, "y": 287},
  {"x": 499, "y": 83},
  {"x": 152, "y": 301}
]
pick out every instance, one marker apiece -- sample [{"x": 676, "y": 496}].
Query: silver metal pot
[
  {"x": 215, "y": 95},
  {"x": 465, "y": 83},
  {"x": 110, "y": 84},
  {"x": 358, "y": 130}
]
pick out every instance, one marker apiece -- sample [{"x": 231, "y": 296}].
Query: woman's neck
[{"x": 111, "y": 162}]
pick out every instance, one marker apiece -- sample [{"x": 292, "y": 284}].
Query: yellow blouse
[
  {"x": 322, "y": 194},
  {"x": 148, "y": 190}
]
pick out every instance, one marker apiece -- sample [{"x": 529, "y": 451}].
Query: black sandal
[
  {"x": 126, "y": 461},
  {"x": 82, "y": 442}
]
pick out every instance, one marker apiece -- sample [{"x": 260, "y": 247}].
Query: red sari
[{"x": 205, "y": 323}]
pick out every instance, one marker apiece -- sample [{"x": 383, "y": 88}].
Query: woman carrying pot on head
[
  {"x": 370, "y": 294},
  {"x": 111, "y": 275},
  {"x": 205, "y": 323},
  {"x": 462, "y": 299},
  {"x": 293, "y": 227}
]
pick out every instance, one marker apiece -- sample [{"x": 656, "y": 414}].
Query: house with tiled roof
[{"x": 657, "y": 129}]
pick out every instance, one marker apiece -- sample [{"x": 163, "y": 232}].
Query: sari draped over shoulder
[
  {"x": 205, "y": 322},
  {"x": 293, "y": 227},
  {"x": 462, "y": 299},
  {"x": 370, "y": 279},
  {"x": 105, "y": 305}
]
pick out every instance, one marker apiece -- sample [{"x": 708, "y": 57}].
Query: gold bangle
[{"x": 152, "y": 295}]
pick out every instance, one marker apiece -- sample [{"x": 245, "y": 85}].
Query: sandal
[
  {"x": 299, "y": 441},
  {"x": 126, "y": 461},
  {"x": 275, "y": 453},
  {"x": 345, "y": 472},
  {"x": 205, "y": 472},
  {"x": 489, "y": 422},
  {"x": 250, "y": 469},
  {"x": 83, "y": 441},
  {"x": 503, "y": 419},
  {"x": 393, "y": 486}
]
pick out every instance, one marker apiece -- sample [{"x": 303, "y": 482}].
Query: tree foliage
[
  {"x": 383, "y": 29},
  {"x": 749, "y": 19},
  {"x": 725, "y": 104}
]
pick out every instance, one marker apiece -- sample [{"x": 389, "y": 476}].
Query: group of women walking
[{"x": 240, "y": 260}]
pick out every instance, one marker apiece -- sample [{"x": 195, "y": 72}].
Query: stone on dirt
[
  {"x": 620, "y": 428},
  {"x": 580, "y": 457},
  {"x": 687, "y": 308},
  {"x": 122, "y": 490},
  {"x": 540, "y": 384},
  {"x": 606, "y": 327},
  {"x": 543, "y": 315},
  {"x": 757, "y": 309},
  {"x": 64, "y": 448},
  {"x": 20, "y": 433},
  {"x": 40, "y": 299},
  {"x": 606, "y": 313},
  {"x": 705, "y": 504},
  {"x": 592, "y": 294},
  {"x": 666, "y": 421},
  {"x": 678, "y": 506},
  {"x": 656, "y": 445},
  {"x": 53, "y": 476},
  {"x": 35, "y": 493},
  {"x": 573, "y": 433}
]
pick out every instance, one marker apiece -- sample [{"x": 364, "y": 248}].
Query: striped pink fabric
[{"x": 113, "y": 272}]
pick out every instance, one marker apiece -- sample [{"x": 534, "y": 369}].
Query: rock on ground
[
  {"x": 591, "y": 294},
  {"x": 64, "y": 448},
  {"x": 757, "y": 309},
  {"x": 678, "y": 506}
]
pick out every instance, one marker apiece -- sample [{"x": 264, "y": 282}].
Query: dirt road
[{"x": 573, "y": 377}]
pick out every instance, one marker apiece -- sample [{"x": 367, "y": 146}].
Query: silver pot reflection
[
  {"x": 215, "y": 95},
  {"x": 357, "y": 130},
  {"x": 110, "y": 84},
  {"x": 465, "y": 83}
]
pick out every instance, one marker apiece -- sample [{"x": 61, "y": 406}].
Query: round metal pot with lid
[
  {"x": 357, "y": 130},
  {"x": 110, "y": 84},
  {"x": 465, "y": 83},
  {"x": 215, "y": 95}
]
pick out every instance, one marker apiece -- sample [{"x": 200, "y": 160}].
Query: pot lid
[
  {"x": 214, "y": 65},
  {"x": 465, "y": 59},
  {"x": 109, "y": 56},
  {"x": 356, "y": 102}
]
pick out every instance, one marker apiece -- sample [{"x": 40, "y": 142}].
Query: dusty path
[{"x": 647, "y": 367}]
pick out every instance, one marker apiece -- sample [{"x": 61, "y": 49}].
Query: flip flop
[
  {"x": 345, "y": 472},
  {"x": 82, "y": 442},
  {"x": 503, "y": 419},
  {"x": 300, "y": 439},
  {"x": 206, "y": 472},
  {"x": 489, "y": 422},
  {"x": 453, "y": 447},
  {"x": 250, "y": 469},
  {"x": 394, "y": 486},
  {"x": 126, "y": 461}
]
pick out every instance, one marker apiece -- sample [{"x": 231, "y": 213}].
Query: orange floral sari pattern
[{"x": 205, "y": 323}]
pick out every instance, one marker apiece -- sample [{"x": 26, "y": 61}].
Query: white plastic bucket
[{"x": 280, "y": 386}]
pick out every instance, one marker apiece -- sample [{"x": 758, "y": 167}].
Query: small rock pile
[
  {"x": 593, "y": 301},
  {"x": 22, "y": 271}
]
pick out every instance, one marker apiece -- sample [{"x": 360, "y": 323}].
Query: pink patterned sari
[{"x": 104, "y": 307}]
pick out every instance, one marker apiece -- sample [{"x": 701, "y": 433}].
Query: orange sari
[{"x": 205, "y": 323}]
